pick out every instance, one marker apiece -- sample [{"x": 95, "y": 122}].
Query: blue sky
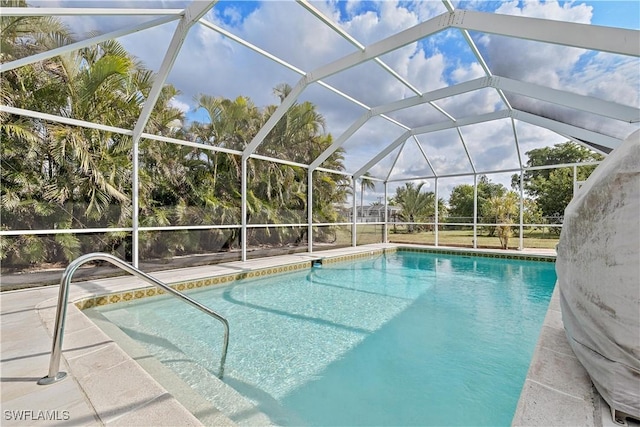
[{"x": 215, "y": 65}]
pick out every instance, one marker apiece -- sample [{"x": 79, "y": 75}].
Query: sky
[{"x": 210, "y": 63}]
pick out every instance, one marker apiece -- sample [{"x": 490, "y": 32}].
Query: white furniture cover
[{"x": 598, "y": 268}]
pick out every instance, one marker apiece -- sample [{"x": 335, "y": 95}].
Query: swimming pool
[{"x": 398, "y": 339}]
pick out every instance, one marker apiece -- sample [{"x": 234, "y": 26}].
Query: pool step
[{"x": 224, "y": 405}]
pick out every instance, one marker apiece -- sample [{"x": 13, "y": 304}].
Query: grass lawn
[{"x": 535, "y": 238}]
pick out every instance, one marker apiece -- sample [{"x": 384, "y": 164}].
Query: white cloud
[
  {"x": 536, "y": 62},
  {"x": 568, "y": 11},
  {"x": 182, "y": 106},
  {"x": 610, "y": 77},
  {"x": 233, "y": 15},
  {"x": 466, "y": 72}
]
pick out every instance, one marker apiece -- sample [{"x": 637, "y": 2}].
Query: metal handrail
[{"x": 55, "y": 374}]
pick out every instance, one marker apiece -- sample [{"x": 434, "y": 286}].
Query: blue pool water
[{"x": 399, "y": 339}]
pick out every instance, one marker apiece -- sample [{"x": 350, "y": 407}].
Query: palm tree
[
  {"x": 416, "y": 205},
  {"x": 369, "y": 185},
  {"x": 62, "y": 176},
  {"x": 26, "y": 35},
  {"x": 504, "y": 208},
  {"x": 24, "y": 153},
  {"x": 231, "y": 124}
]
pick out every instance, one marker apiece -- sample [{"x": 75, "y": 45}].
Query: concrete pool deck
[{"x": 108, "y": 387}]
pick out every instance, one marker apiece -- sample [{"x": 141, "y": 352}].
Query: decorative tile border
[
  {"x": 523, "y": 257},
  {"x": 353, "y": 257},
  {"x": 150, "y": 291}
]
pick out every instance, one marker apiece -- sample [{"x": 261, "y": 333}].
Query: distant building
[{"x": 373, "y": 213}]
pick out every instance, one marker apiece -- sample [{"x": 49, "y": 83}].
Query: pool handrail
[{"x": 55, "y": 374}]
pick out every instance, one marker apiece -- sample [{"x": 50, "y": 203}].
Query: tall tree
[
  {"x": 553, "y": 188},
  {"x": 276, "y": 193},
  {"x": 461, "y": 200},
  {"x": 417, "y": 206}
]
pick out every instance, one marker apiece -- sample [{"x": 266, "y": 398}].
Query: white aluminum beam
[
  {"x": 382, "y": 47},
  {"x": 63, "y": 120},
  {"x": 243, "y": 209},
  {"x": 393, "y": 165},
  {"x": 344, "y": 95},
  {"x": 189, "y": 227},
  {"x": 562, "y": 165},
  {"x": 280, "y": 161},
  {"x": 338, "y": 142},
  {"x": 278, "y": 114},
  {"x": 398, "y": 105},
  {"x": 441, "y": 110},
  {"x": 489, "y": 172},
  {"x": 568, "y": 99},
  {"x": 315, "y": 12},
  {"x": 424, "y": 154},
  {"x": 606, "y": 39},
  {"x": 310, "y": 210},
  {"x": 593, "y": 37},
  {"x": 382, "y": 154},
  {"x": 587, "y": 146},
  {"x": 475, "y": 211},
  {"x": 454, "y": 175},
  {"x": 189, "y": 144},
  {"x": 121, "y": 131},
  {"x": 251, "y": 46},
  {"x": 84, "y": 43},
  {"x": 275, "y": 225},
  {"x": 287, "y": 65},
  {"x": 397, "y": 76},
  {"x": 372, "y": 178},
  {"x": 434, "y": 95},
  {"x": 466, "y": 150},
  {"x": 395, "y": 122},
  {"x": 566, "y": 129},
  {"x": 386, "y": 214},
  {"x": 353, "y": 41},
  {"x": 437, "y": 212},
  {"x": 464, "y": 121},
  {"x": 84, "y": 11},
  {"x": 477, "y": 54},
  {"x": 63, "y": 231},
  {"x": 517, "y": 142},
  {"x": 354, "y": 230},
  {"x": 431, "y": 128},
  {"x": 192, "y": 14},
  {"x": 521, "y": 242},
  {"x": 484, "y": 65},
  {"x": 342, "y": 173},
  {"x": 329, "y": 23}
]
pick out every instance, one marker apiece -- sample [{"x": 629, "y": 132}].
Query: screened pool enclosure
[{"x": 371, "y": 98}]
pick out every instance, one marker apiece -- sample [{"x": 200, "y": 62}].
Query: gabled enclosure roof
[{"x": 385, "y": 97}]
